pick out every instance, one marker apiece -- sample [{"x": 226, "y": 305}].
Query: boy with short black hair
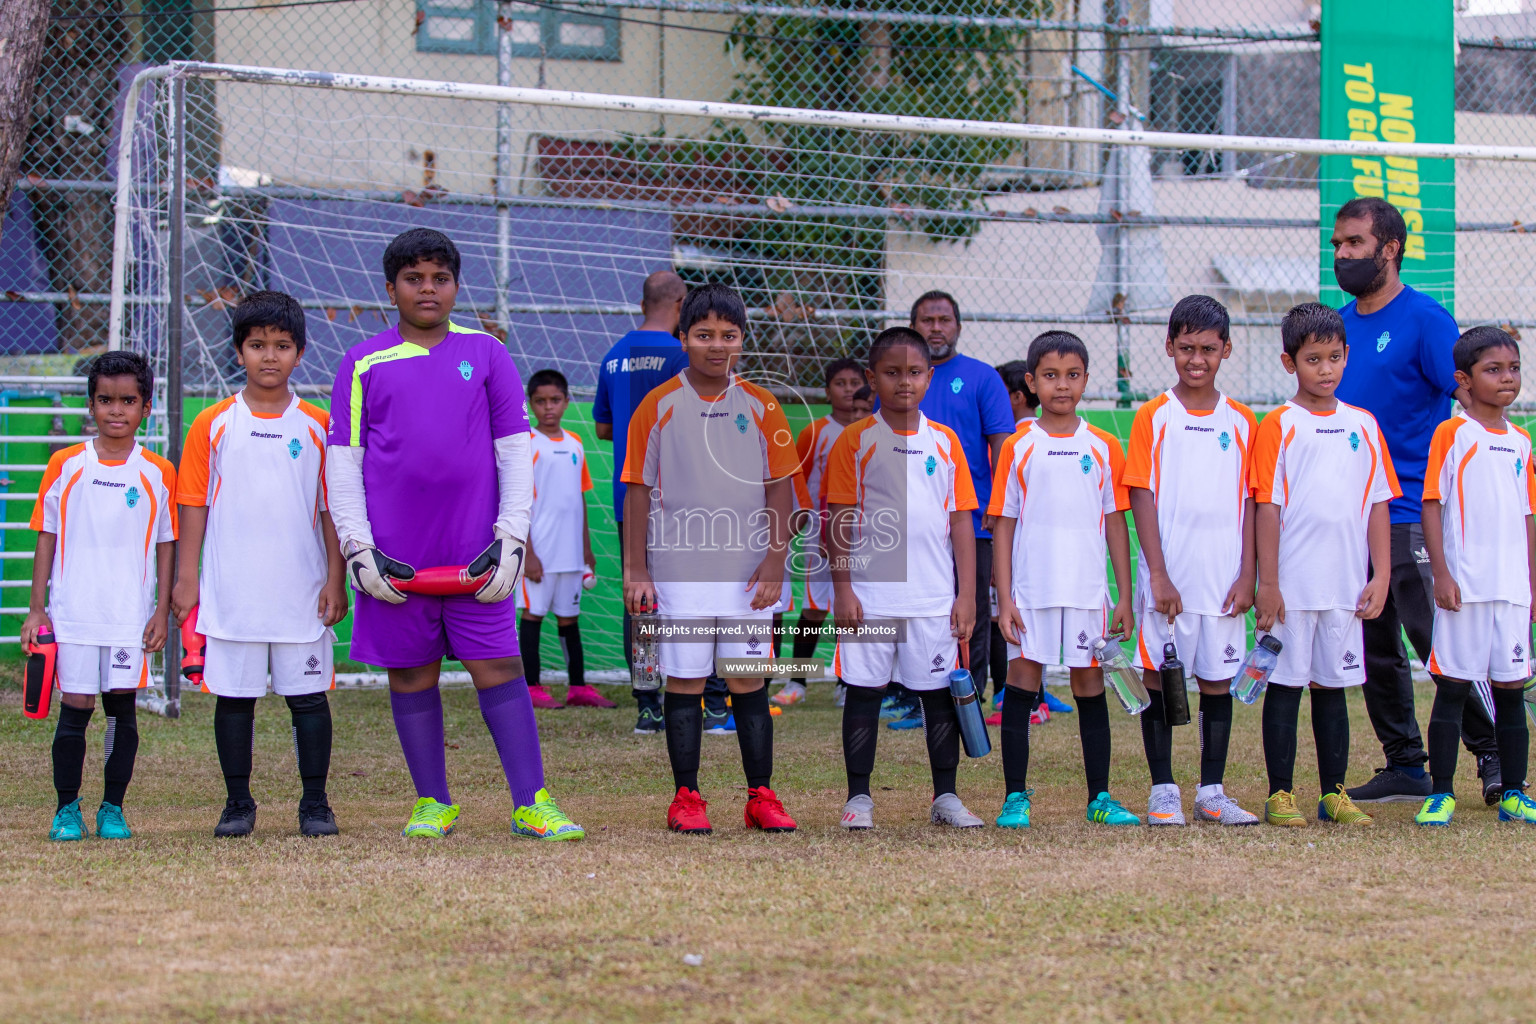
[
  {"x": 1322, "y": 478},
  {"x": 863, "y": 403},
  {"x": 1187, "y": 473},
  {"x": 559, "y": 556},
  {"x": 709, "y": 450},
  {"x": 106, "y": 528},
  {"x": 843, "y": 378},
  {"x": 1482, "y": 592},
  {"x": 272, "y": 582},
  {"x": 429, "y": 465},
  {"x": 1015, "y": 374},
  {"x": 1060, "y": 501},
  {"x": 899, "y": 501}
]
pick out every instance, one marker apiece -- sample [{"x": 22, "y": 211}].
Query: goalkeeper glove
[
  {"x": 504, "y": 561},
  {"x": 371, "y": 571}
]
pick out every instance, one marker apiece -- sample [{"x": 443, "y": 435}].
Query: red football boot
[
  {"x": 542, "y": 698},
  {"x": 687, "y": 813},
  {"x": 765, "y": 812},
  {"x": 586, "y": 697},
  {"x": 1040, "y": 715},
  {"x": 996, "y": 718}
]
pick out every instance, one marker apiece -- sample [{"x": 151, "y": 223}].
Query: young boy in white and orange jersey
[
  {"x": 1187, "y": 473},
  {"x": 1060, "y": 507},
  {"x": 900, "y": 535},
  {"x": 709, "y": 465},
  {"x": 559, "y": 557},
  {"x": 106, "y": 524},
  {"x": 272, "y": 582},
  {"x": 844, "y": 378},
  {"x": 1322, "y": 478},
  {"x": 1479, "y": 496}
]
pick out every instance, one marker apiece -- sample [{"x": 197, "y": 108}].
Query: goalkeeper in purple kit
[{"x": 429, "y": 465}]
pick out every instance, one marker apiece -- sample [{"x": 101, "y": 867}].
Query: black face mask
[{"x": 1358, "y": 276}]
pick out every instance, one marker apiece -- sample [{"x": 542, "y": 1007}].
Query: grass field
[{"x": 1066, "y": 922}]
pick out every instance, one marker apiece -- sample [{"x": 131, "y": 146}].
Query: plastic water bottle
[
  {"x": 1175, "y": 694},
  {"x": 1258, "y": 665},
  {"x": 973, "y": 727},
  {"x": 37, "y": 688},
  {"x": 645, "y": 671},
  {"x": 1120, "y": 676}
]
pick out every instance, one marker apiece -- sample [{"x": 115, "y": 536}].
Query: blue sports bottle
[
  {"x": 973, "y": 727},
  {"x": 1253, "y": 674},
  {"x": 1121, "y": 677}
]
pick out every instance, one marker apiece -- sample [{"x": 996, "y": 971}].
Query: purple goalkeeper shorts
[{"x": 427, "y": 628}]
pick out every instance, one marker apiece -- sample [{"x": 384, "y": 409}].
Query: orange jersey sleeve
[
  {"x": 1000, "y": 475},
  {"x": 50, "y": 477},
  {"x": 963, "y": 489},
  {"x": 1138, "y": 456},
  {"x": 805, "y": 444},
  {"x": 645, "y": 419},
  {"x": 1116, "y": 468},
  {"x": 1266, "y": 457},
  {"x": 197, "y": 457},
  {"x": 1386, "y": 464},
  {"x": 839, "y": 483},
  {"x": 168, "y": 480}
]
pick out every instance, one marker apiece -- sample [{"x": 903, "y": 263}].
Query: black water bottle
[{"x": 1175, "y": 697}]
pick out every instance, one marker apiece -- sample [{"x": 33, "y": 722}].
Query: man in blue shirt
[
  {"x": 1400, "y": 370},
  {"x": 640, "y": 361},
  {"x": 967, "y": 396}
]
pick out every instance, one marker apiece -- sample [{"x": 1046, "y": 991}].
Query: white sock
[
  {"x": 1170, "y": 788},
  {"x": 1206, "y": 792}
]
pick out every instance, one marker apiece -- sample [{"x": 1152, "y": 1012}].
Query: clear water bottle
[
  {"x": 1253, "y": 674},
  {"x": 645, "y": 670},
  {"x": 1121, "y": 677},
  {"x": 1175, "y": 688}
]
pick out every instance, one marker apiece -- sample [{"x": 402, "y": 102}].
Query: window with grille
[{"x": 469, "y": 26}]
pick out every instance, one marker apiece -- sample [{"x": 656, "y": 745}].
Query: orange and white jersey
[
  {"x": 814, "y": 445},
  {"x": 1059, "y": 487},
  {"x": 108, "y": 517},
  {"x": 1485, "y": 481},
  {"x": 707, "y": 461},
  {"x": 1196, "y": 466},
  {"x": 1325, "y": 471},
  {"x": 560, "y": 482},
  {"x": 262, "y": 478},
  {"x": 904, "y": 487}
]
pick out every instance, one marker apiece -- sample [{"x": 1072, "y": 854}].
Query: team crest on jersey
[
  {"x": 313, "y": 662},
  {"x": 575, "y": 459},
  {"x": 1518, "y": 466},
  {"x": 465, "y": 370},
  {"x": 1354, "y": 441},
  {"x": 930, "y": 464},
  {"x": 1519, "y": 652},
  {"x": 1225, "y": 439},
  {"x": 1383, "y": 341},
  {"x": 956, "y": 384},
  {"x": 1086, "y": 463},
  {"x": 132, "y": 494},
  {"x": 741, "y": 423},
  {"x": 121, "y": 657},
  {"x": 938, "y": 662},
  {"x": 753, "y": 645},
  {"x": 294, "y": 447}
]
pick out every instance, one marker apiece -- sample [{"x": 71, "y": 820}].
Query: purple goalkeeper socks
[
  {"x": 508, "y": 713},
  {"x": 419, "y": 722}
]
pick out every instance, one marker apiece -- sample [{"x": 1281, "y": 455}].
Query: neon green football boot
[
  {"x": 1437, "y": 810},
  {"x": 430, "y": 819},
  {"x": 1106, "y": 810},
  {"x": 1516, "y": 806},
  {"x": 1341, "y": 810},
  {"x": 110, "y": 823},
  {"x": 68, "y": 824},
  {"x": 1280, "y": 809},
  {"x": 543, "y": 820}
]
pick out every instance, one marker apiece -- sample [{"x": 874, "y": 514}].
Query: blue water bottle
[
  {"x": 1253, "y": 674},
  {"x": 973, "y": 727}
]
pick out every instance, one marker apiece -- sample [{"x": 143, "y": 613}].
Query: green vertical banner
[{"x": 1389, "y": 75}]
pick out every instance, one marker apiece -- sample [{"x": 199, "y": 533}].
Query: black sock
[
  {"x": 685, "y": 732},
  {"x": 1015, "y": 740},
  {"x": 1157, "y": 740},
  {"x": 122, "y": 744},
  {"x": 311, "y": 715},
  {"x": 575, "y": 657},
  {"x": 1444, "y": 740},
  {"x": 754, "y": 734},
  {"x": 861, "y": 731},
  {"x": 1093, "y": 729},
  {"x": 69, "y": 752},
  {"x": 807, "y": 638},
  {"x": 1215, "y": 731},
  {"x": 941, "y": 728},
  {"x": 528, "y": 645},
  {"x": 1282, "y": 704},
  {"x": 1330, "y": 731},
  {"x": 997, "y": 661},
  {"x": 1510, "y": 731},
  {"x": 234, "y": 733}
]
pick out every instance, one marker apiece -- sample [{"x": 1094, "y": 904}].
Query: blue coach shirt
[
  {"x": 1400, "y": 370},
  {"x": 968, "y": 397},
  {"x": 638, "y": 362}
]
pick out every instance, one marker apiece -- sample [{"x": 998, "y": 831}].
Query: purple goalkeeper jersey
[{"x": 428, "y": 420}]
